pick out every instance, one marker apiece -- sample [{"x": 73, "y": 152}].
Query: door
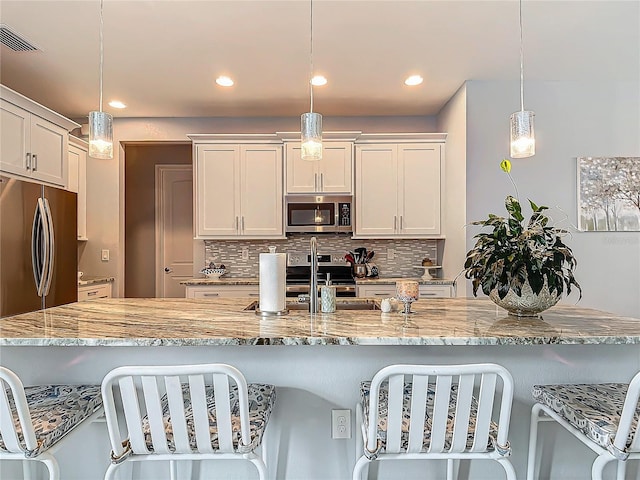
[
  {"x": 14, "y": 138},
  {"x": 218, "y": 196},
  {"x": 63, "y": 287},
  {"x": 18, "y": 292},
  {"x": 336, "y": 167},
  {"x": 376, "y": 190},
  {"x": 419, "y": 189},
  {"x": 261, "y": 190},
  {"x": 174, "y": 229}
]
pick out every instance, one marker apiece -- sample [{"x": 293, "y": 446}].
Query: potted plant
[{"x": 522, "y": 265}]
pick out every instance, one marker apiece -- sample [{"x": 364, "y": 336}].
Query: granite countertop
[
  {"x": 93, "y": 280},
  {"x": 392, "y": 281},
  {"x": 222, "y": 321},
  {"x": 221, "y": 281}
]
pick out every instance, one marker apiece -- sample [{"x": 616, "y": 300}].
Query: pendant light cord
[
  {"x": 311, "y": 58},
  {"x": 521, "y": 64},
  {"x": 101, "y": 51}
]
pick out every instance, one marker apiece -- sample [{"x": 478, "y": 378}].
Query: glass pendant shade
[
  {"x": 100, "y": 135},
  {"x": 311, "y": 136},
  {"x": 523, "y": 141}
]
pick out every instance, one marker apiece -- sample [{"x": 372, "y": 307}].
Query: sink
[{"x": 341, "y": 304}]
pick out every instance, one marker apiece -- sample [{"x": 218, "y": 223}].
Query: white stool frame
[
  {"x": 542, "y": 413},
  {"x": 132, "y": 446},
  {"x": 443, "y": 378},
  {"x": 16, "y": 451}
]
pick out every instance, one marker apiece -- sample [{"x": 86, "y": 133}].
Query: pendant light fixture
[
  {"x": 523, "y": 141},
  {"x": 311, "y": 123},
  {"x": 101, "y": 123}
]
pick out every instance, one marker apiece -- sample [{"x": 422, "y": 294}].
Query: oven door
[{"x": 311, "y": 217}]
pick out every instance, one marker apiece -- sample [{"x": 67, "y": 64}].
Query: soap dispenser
[{"x": 328, "y": 296}]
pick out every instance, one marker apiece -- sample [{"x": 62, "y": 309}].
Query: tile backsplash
[{"x": 407, "y": 254}]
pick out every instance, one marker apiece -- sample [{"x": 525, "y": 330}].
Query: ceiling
[{"x": 161, "y": 57}]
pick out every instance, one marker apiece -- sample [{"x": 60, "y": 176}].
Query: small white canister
[{"x": 327, "y": 299}]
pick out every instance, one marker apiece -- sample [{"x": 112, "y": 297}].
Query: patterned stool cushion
[
  {"x": 593, "y": 409},
  {"x": 55, "y": 411},
  {"x": 261, "y": 400},
  {"x": 365, "y": 393}
]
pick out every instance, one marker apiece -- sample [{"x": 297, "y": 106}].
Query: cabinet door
[
  {"x": 379, "y": 290},
  {"x": 14, "y": 138},
  {"x": 376, "y": 190},
  {"x": 77, "y": 182},
  {"x": 302, "y": 175},
  {"x": 435, "y": 291},
  {"x": 419, "y": 189},
  {"x": 48, "y": 151},
  {"x": 217, "y": 199},
  {"x": 336, "y": 167},
  {"x": 219, "y": 291},
  {"x": 261, "y": 190}
]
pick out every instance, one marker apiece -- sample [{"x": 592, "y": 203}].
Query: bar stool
[
  {"x": 602, "y": 416},
  {"x": 36, "y": 421},
  {"x": 419, "y": 412},
  {"x": 185, "y": 412}
]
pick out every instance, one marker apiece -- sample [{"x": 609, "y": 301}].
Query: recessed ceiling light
[
  {"x": 117, "y": 104},
  {"x": 413, "y": 80},
  {"x": 224, "y": 81},
  {"x": 318, "y": 81}
]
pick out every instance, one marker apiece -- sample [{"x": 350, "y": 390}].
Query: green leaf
[{"x": 513, "y": 207}]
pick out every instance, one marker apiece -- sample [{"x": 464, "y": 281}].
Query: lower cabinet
[
  {"x": 91, "y": 292},
  {"x": 389, "y": 290},
  {"x": 215, "y": 291}
]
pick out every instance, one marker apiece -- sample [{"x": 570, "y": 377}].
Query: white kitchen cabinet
[
  {"x": 33, "y": 139},
  {"x": 78, "y": 153},
  {"x": 389, "y": 290},
  {"x": 91, "y": 292},
  {"x": 238, "y": 190},
  {"x": 332, "y": 174},
  {"x": 398, "y": 190},
  {"x": 216, "y": 291}
]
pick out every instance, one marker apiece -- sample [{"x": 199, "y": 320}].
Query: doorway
[{"x": 140, "y": 164}]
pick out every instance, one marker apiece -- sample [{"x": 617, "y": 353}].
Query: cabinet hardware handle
[
  {"x": 254, "y": 294},
  {"x": 315, "y": 182},
  {"x": 211, "y": 294},
  {"x": 35, "y": 162},
  {"x": 401, "y": 222},
  {"x": 28, "y": 161},
  {"x": 167, "y": 270},
  {"x": 322, "y": 182},
  {"x": 428, "y": 294},
  {"x": 92, "y": 293},
  {"x": 242, "y": 223},
  {"x": 395, "y": 223},
  {"x": 383, "y": 294},
  {"x": 236, "y": 224}
]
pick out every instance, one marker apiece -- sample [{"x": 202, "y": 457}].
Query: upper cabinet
[
  {"x": 78, "y": 153},
  {"x": 238, "y": 186},
  {"x": 399, "y": 187},
  {"x": 33, "y": 139},
  {"x": 332, "y": 174}
]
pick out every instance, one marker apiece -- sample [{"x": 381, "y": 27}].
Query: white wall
[
  {"x": 452, "y": 120},
  {"x": 572, "y": 119},
  {"x": 105, "y": 197}
]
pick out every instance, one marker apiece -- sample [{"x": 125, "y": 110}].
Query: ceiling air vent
[{"x": 14, "y": 41}]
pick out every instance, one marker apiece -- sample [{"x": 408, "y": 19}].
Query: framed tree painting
[{"x": 609, "y": 194}]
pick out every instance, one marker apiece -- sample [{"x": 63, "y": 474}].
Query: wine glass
[{"x": 407, "y": 291}]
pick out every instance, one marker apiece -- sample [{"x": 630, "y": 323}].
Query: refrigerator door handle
[
  {"x": 51, "y": 247},
  {"x": 39, "y": 247}
]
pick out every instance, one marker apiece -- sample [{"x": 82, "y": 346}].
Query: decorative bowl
[{"x": 213, "y": 272}]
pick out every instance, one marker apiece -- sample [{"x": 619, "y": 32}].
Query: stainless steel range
[{"x": 338, "y": 272}]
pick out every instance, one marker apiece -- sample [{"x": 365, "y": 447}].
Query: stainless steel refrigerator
[{"x": 38, "y": 247}]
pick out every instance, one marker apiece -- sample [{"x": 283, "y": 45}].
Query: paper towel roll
[{"x": 273, "y": 282}]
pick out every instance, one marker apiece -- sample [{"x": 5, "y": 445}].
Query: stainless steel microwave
[{"x": 319, "y": 213}]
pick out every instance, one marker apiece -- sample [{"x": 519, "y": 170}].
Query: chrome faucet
[{"x": 313, "y": 287}]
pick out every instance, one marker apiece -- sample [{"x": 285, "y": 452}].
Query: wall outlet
[
  {"x": 341, "y": 423},
  {"x": 104, "y": 255},
  {"x": 391, "y": 253},
  {"x": 245, "y": 253}
]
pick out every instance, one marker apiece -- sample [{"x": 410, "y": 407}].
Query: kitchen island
[{"x": 317, "y": 362}]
